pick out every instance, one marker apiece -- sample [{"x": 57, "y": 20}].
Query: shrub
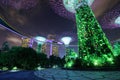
[
  {"x": 25, "y": 58},
  {"x": 117, "y": 61},
  {"x": 43, "y": 60},
  {"x": 6, "y": 60},
  {"x": 49, "y": 62}
]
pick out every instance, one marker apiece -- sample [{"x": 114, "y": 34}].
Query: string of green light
[{"x": 91, "y": 39}]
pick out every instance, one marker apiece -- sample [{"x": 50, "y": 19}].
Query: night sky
[{"x": 41, "y": 19}]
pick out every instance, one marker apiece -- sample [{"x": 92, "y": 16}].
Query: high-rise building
[{"x": 27, "y": 42}]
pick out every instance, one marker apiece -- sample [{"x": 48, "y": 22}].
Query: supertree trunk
[{"x": 91, "y": 38}]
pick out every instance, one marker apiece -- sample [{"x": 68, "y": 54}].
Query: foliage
[
  {"x": 117, "y": 61},
  {"x": 56, "y": 61},
  {"x": 23, "y": 58},
  {"x": 5, "y": 46},
  {"x": 26, "y": 58},
  {"x": 92, "y": 41},
  {"x": 6, "y": 60},
  {"x": 43, "y": 60},
  {"x": 49, "y": 62},
  {"x": 70, "y": 58},
  {"x": 116, "y": 49}
]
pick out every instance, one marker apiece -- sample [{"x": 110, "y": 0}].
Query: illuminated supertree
[
  {"x": 91, "y": 38},
  {"x": 72, "y": 34},
  {"x": 66, "y": 40},
  {"x": 93, "y": 45}
]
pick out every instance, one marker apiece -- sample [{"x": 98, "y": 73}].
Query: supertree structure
[
  {"x": 58, "y": 7},
  {"x": 61, "y": 8},
  {"x": 64, "y": 8},
  {"x": 92, "y": 41}
]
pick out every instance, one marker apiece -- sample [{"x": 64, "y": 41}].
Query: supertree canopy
[
  {"x": 71, "y": 4},
  {"x": 59, "y": 8},
  {"x": 66, "y": 8}
]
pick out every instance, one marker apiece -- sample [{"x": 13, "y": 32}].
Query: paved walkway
[{"x": 58, "y": 74}]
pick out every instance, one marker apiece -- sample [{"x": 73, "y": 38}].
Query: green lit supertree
[{"x": 91, "y": 38}]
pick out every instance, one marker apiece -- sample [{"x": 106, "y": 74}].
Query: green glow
[
  {"x": 70, "y": 58},
  {"x": 110, "y": 59},
  {"x": 93, "y": 45},
  {"x": 39, "y": 48},
  {"x": 116, "y": 48},
  {"x": 96, "y": 63},
  {"x": 14, "y": 68},
  {"x": 4, "y": 68},
  {"x": 69, "y": 64}
]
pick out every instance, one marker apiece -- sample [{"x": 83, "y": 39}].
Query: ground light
[{"x": 40, "y": 40}]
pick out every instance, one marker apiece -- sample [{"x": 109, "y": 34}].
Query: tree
[
  {"x": 24, "y": 58},
  {"x": 5, "y": 46}
]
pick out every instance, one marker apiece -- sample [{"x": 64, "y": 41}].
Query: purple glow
[
  {"x": 109, "y": 18},
  {"x": 31, "y": 43},
  {"x": 58, "y": 7},
  {"x": 20, "y": 4},
  {"x": 50, "y": 49}
]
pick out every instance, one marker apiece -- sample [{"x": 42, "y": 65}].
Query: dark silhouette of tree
[{"x": 5, "y": 46}]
